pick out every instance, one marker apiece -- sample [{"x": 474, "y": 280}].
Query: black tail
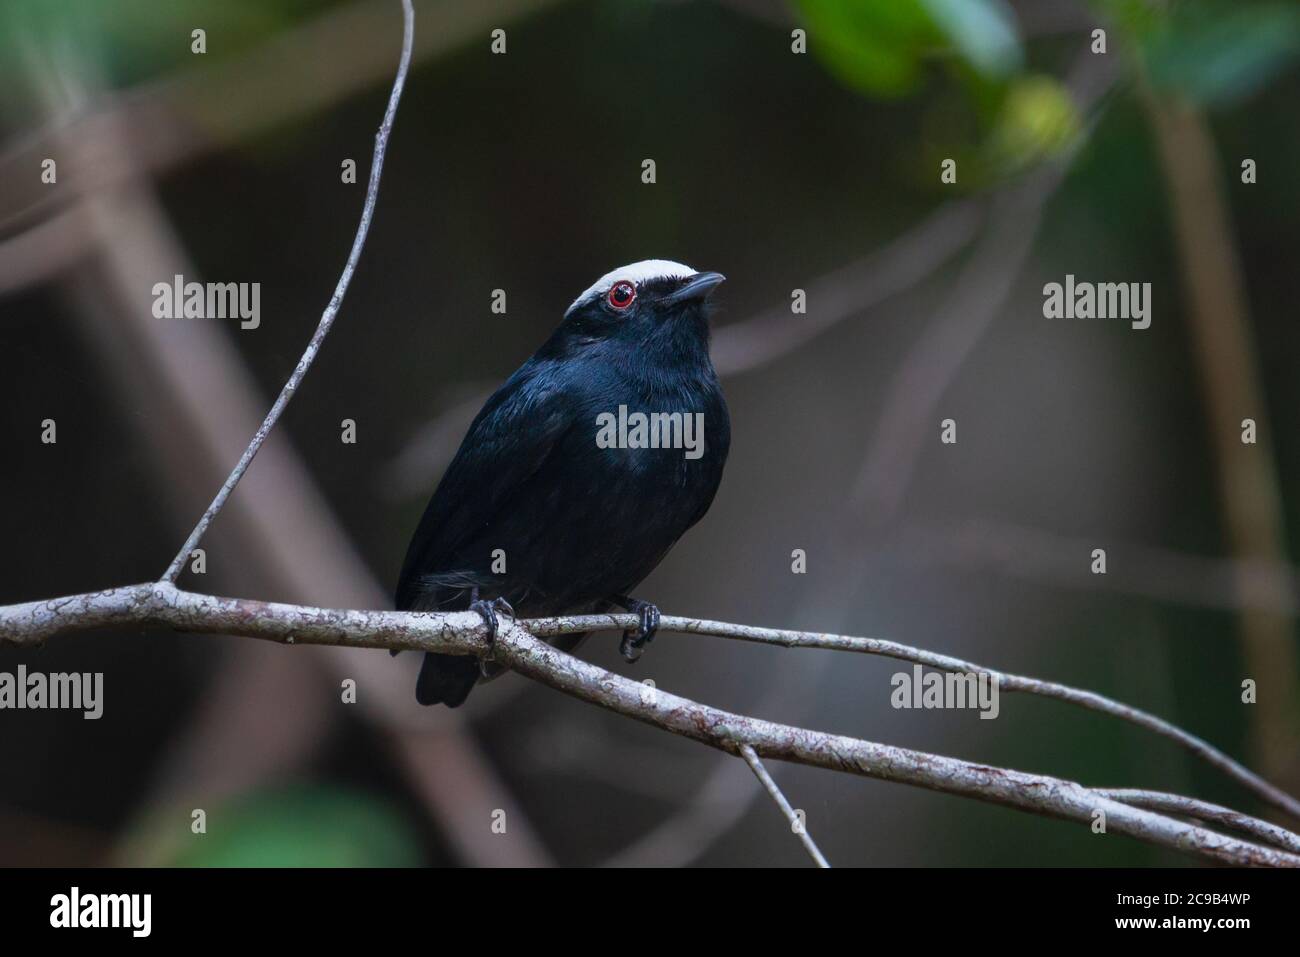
[{"x": 446, "y": 679}]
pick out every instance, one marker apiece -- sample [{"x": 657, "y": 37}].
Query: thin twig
[
  {"x": 288, "y": 539},
  {"x": 726, "y": 794},
  {"x": 464, "y": 633},
  {"x": 1210, "y": 813},
  {"x": 327, "y": 317},
  {"x": 796, "y": 825},
  {"x": 545, "y": 627}
]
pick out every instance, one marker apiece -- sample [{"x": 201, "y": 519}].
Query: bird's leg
[
  {"x": 487, "y": 610},
  {"x": 634, "y": 642}
]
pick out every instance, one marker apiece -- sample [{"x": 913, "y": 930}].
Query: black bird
[{"x": 559, "y": 499}]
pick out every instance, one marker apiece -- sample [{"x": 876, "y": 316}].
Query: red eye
[{"x": 621, "y": 295}]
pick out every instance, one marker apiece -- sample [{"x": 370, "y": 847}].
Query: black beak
[{"x": 698, "y": 286}]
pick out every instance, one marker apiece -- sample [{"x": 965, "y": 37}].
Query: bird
[{"x": 561, "y": 499}]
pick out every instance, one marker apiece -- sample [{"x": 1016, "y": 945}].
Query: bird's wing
[{"x": 513, "y": 434}]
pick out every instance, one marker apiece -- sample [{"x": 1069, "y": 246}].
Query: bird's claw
[
  {"x": 487, "y": 610},
  {"x": 634, "y": 642}
]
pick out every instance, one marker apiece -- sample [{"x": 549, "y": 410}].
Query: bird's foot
[
  {"x": 634, "y": 642},
  {"x": 487, "y": 610}
]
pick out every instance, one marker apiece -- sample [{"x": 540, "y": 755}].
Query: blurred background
[{"x": 1116, "y": 157}]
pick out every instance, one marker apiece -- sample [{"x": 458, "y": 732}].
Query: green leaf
[
  {"x": 1221, "y": 53},
  {"x": 983, "y": 31},
  {"x": 881, "y": 47},
  {"x": 302, "y": 827},
  {"x": 873, "y": 47}
]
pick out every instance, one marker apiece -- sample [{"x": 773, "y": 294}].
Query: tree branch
[
  {"x": 1210, "y": 813},
  {"x": 545, "y": 627},
  {"x": 796, "y": 825},
  {"x": 327, "y": 317},
  {"x": 463, "y": 633}
]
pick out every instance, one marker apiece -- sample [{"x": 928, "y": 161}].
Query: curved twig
[{"x": 327, "y": 317}]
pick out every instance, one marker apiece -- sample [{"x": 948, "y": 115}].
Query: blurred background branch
[{"x": 1247, "y": 477}]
